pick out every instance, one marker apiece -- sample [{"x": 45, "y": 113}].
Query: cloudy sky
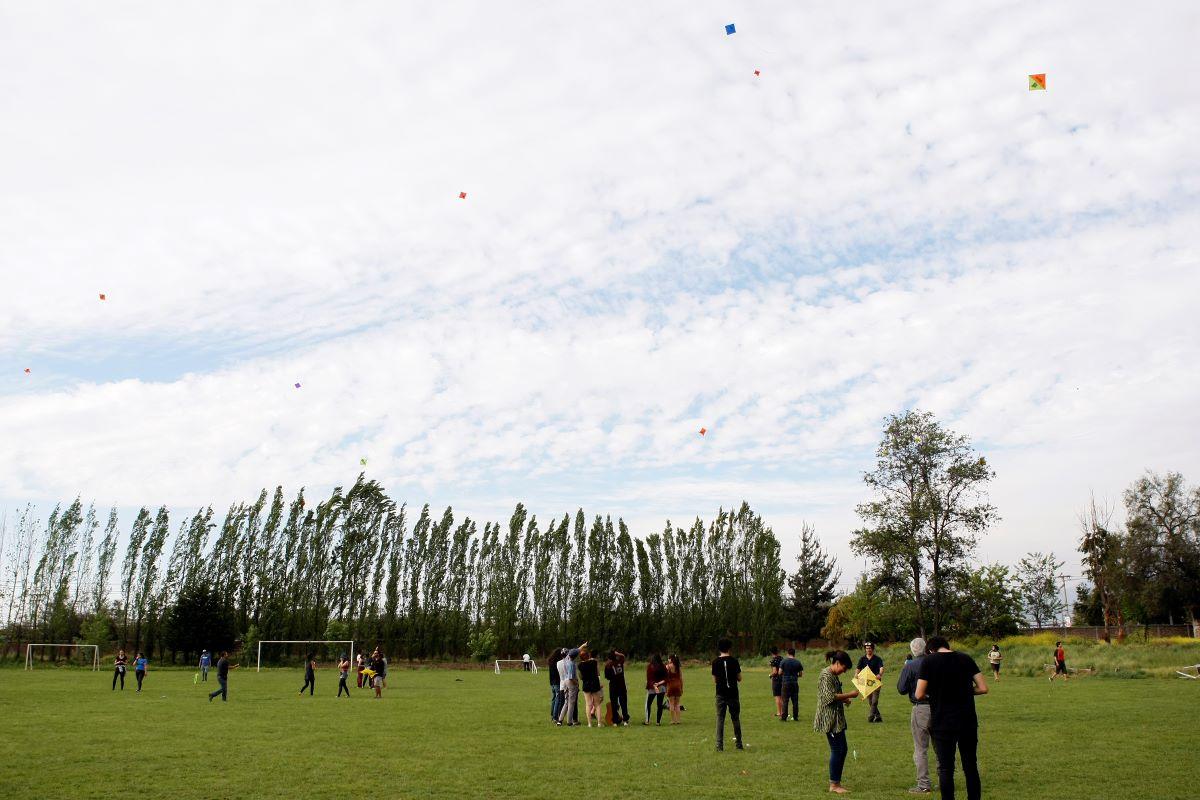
[{"x": 654, "y": 240}]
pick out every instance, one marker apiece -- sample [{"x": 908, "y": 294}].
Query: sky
[{"x": 654, "y": 239}]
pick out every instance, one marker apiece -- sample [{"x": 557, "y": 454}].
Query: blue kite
[{"x": 730, "y": 29}]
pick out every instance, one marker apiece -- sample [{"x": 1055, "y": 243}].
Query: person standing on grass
[
  {"x": 310, "y": 674},
  {"x": 383, "y": 661},
  {"x": 379, "y": 666},
  {"x": 870, "y": 659},
  {"x": 618, "y": 693},
  {"x": 555, "y": 686},
  {"x": 674, "y": 687},
  {"x": 791, "y": 671},
  {"x": 919, "y": 721},
  {"x": 223, "y": 677},
  {"x": 777, "y": 681},
  {"x": 119, "y": 669},
  {"x": 593, "y": 691},
  {"x": 361, "y": 664},
  {"x": 568, "y": 671},
  {"x": 994, "y": 658},
  {"x": 343, "y": 674},
  {"x": 656, "y": 687},
  {"x": 527, "y": 662},
  {"x": 205, "y": 663},
  {"x": 1060, "y": 662},
  {"x": 831, "y": 715},
  {"x": 727, "y": 674},
  {"x": 951, "y": 681},
  {"x": 139, "y": 669}
]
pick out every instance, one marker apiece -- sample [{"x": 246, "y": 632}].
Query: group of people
[
  {"x": 940, "y": 683},
  {"x": 121, "y": 662},
  {"x": 371, "y": 673}
]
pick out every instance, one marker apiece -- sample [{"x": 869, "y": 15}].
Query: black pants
[
  {"x": 733, "y": 705},
  {"x": 620, "y": 704},
  {"x": 967, "y": 742},
  {"x": 791, "y": 694},
  {"x": 119, "y": 673},
  {"x": 310, "y": 683},
  {"x": 342, "y": 687},
  {"x": 139, "y": 674},
  {"x": 650, "y": 700}
]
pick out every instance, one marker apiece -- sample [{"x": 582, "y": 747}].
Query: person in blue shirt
[
  {"x": 205, "y": 663},
  {"x": 791, "y": 670},
  {"x": 568, "y": 670},
  {"x": 139, "y": 669}
]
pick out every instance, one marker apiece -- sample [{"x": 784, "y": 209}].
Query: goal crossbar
[
  {"x": 258, "y": 668},
  {"x": 532, "y": 664},
  {"x": 29, "y": 652}
]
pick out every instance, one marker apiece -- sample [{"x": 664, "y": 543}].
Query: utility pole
[{"x": 1066, "y": 605}]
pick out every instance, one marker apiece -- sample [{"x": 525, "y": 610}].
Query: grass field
[{"x": 443, "y": 733}]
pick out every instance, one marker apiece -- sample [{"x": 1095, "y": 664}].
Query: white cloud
[{"x": 653, "y": 240}]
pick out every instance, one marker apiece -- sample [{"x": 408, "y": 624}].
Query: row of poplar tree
[{"x": 358, "y": 566}]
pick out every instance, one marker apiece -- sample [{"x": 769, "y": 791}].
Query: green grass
[{"x": 442, "y": 733}]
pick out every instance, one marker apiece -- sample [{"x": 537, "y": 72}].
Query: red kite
[
  {"x": 703, "y": 431},
  {"x": 1037, "y": 82},
  {"x": 462, "y": 195}
]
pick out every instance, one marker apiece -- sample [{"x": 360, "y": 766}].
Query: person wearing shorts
[
  {"x": 1060, "y": 662},
  {"x": 777, "y": 681},
  {"x": 378, "y": 665},
  {"x": 994, "y": 657}
]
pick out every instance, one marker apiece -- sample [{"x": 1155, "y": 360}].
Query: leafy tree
[
  {"x": 199, "y": 620},
  {"x": 811, "y": 589},
  {"x": 986, "y": 600},
  {"x": 1038, "y": 576},
  {"x": 929, "y": 509},
  {"x": 1163, "y": 523}
]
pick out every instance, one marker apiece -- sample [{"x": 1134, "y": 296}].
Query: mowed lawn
[{"x": 440, "y": 733}]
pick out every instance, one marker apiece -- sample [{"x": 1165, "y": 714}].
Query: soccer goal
[
  {"x": 81, "y": 648},
  {"x": 514, "y": 664},
  {"x": 323, "y": 642}
]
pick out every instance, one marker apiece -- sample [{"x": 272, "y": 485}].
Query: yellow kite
[
  {"x": 866, "y": 682},
  {"x": 370, "y": 673}
]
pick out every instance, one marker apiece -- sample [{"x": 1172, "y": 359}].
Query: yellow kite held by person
[
  {"x": 370, "y": 673},
  {"x": 866, "y": 682}
]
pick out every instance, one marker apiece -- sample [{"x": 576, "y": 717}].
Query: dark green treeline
[{"x": 357, "y": 565}]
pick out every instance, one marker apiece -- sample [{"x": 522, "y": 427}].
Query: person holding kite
[
  {"x": 831, "y": 715},
  {"x": 872, "y": 661}
]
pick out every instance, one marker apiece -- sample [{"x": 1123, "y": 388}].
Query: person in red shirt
[{"x": 1060, "y": 663}]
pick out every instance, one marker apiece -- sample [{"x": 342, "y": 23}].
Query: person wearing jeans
[
  {"x": 556, "y": 695},
  {"x": 831, "y": 715},
  {"x": 951, "y": 681},
  {"x": 791, "y": 671},
  {"x": 919, "y": 722},
  {"x": 727, "y": 674},
  {"x": 222, "y": 678},
  {"x": 656, "y": 687},
  {"x": 618, "y": 695}
]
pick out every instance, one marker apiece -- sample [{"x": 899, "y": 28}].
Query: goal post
[
  {"x": 518, "y": 662},
  {"x": 258, "y": 668},
  {"x": 95, "y": 648}
]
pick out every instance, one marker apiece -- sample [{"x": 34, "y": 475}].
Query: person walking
[
  {"x": 618, "y": 693},
  {"x": 1060, "y": 662},
  {"x": 555, "y": 689},
  {"x": 870, "y": 659},
  {"x": 593, "y": 691},
  {"x": 656, "y": 687},
  {"x": 674, "y": 687},
  {"x": 994, "y": 657},
  {"x": 310, "y": 674},
  {"x": 569, "y": 679},
  {"x": 205, "y": 663},
  {"x": 919, "y": 721},
  {"x": 791, "y": 671},
  {"x": 139, "y": 669},
  {"x": 951, "y": 681},
  {"x": 119, "y": 669},
  {"x": 831, "y": 715},
  {"x": 343, "y": 675},
  {"x": 223, "y": 677},
  {"x": 727, "y": 674},
  {"x": 777, "y": 681}
]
